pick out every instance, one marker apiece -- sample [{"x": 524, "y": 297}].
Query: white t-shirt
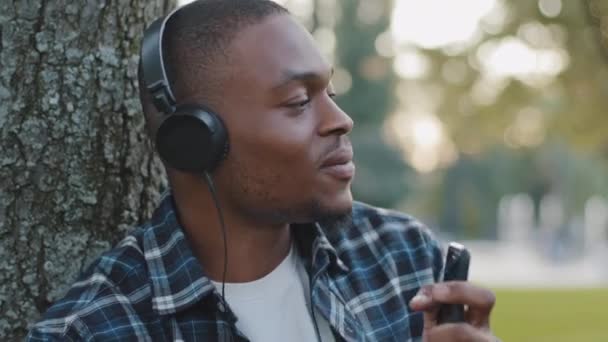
[{"x": 277, "y": 306}]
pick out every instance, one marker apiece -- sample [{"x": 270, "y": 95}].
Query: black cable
[
  {"x": 211, "y": 186},
  {"x": 223, "y": 227}
]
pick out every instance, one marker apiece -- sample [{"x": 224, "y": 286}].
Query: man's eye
[
  {"x": 304, "y": 103},
  {"x": 299, "y": 104}
]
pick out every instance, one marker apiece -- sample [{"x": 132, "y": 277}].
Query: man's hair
[{"x": 195, "y": 48}]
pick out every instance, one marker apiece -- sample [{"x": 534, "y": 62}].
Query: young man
[{"x": 301, "y": 260}]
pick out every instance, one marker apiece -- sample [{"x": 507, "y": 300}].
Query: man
[{"x": 299, "y": 261}]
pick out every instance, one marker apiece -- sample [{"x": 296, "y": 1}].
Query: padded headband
[{"x": 155, "y": 76}]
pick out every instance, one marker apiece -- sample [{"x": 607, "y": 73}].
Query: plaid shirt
[{"x": 151, "y": 287}]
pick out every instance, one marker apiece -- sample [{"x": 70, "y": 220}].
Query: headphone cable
[{"x": 223, "y": 227}]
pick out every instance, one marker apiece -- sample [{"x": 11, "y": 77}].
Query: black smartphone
[{"x": 456, "y": 268}]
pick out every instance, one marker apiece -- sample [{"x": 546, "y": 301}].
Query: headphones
[{"x": 191, "y": 137}]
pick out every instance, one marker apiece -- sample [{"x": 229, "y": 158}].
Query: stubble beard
[{"x": 314, "y": 212}]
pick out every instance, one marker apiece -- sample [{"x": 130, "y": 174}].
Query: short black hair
[
  {"x": 196, "y": 41},
  {"x": 198, "y": 35}
]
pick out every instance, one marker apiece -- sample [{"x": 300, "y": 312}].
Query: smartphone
[{"x": 456, "y": 268}]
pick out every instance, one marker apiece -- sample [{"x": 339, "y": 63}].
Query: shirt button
[{"x": 221, "y": 307}]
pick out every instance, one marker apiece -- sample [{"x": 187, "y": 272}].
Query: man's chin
[
  {"x": 336, "y": 221},
  {"x": 332, "y": 215}
]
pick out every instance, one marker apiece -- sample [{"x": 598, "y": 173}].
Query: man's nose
[{"x": 334, "y": 121}]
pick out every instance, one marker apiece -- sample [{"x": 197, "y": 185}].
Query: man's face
[{"x": 290, "y": 159}]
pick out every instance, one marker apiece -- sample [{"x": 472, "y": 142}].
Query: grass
[{"x": 551, "y": 315}]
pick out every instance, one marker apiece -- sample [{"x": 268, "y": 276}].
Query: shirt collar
[
  {"x": 179, "y": 281},
  {"x": 314, "y": 242}
]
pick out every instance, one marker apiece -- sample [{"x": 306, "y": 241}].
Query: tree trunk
[{"x": 76, "y": 168}]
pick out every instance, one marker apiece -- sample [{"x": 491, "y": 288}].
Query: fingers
[
  {"x": 479, "y": 301},
  {"x": 462, "y": 292},
  {"x": 424, "y": 301},
  {"x": 453, "y": 292},
  {"x": 457, "y": 332}
]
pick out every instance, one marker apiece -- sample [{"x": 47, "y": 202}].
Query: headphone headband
[
  {"x": 191, "y": 137},
  {"x": 152, "y": 60}
]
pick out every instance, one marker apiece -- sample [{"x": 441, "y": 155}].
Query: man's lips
[
  {"x": 338, "y": 156},
  {"x": 339, "y": 163}
]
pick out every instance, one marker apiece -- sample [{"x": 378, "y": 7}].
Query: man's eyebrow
[{"x": 290, "y": 76}]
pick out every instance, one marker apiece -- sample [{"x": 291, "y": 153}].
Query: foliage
[
  {"x": 529, "y": 133},
  {"x": 532, "y": 133},
  {"x": 381, "y": 172},
  {"x": 571, "y": 107}
]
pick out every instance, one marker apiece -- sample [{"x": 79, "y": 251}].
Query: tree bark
[{"x": 76, "y": 168}]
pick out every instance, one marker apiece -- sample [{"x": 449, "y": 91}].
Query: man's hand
[{"x": 478, "y": 305}]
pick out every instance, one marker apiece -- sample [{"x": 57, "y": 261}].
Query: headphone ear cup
[{"x": 192, "y": 139}]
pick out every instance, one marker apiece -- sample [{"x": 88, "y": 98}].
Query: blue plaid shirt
[{"x": 151, "y": 287}]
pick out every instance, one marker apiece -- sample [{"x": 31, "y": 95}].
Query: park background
[
  {"x": 483, "y": 118},
  {"x": 487, "y": 119}
]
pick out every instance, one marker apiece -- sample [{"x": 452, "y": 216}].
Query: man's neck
[{"x": 253, "y": 250}]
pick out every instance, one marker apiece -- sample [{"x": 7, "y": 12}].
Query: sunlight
[
  {"x": 384, "y": 44},
  {"x": 422, "y": 139},
  {"x": 369, "y": 12},
  {"x": 527, "y": 130},
  {"x": 426, "y": 131},
  {"x": 326, "y": 41},
  {"x": 509, "y": 57},
  {"x": 411, "y": 64},
  {"x": 342, "y": 81},
  {"x": 550, "y": 8},
  {"x": 436, "y": 23},
  {"x": 512, "y": 57}
]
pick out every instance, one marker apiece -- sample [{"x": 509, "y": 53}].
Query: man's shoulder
[
  {"x": 388, "y": 256},
  {"x": 377, "y": 221},
  {"x": 125, "y": 259},
  {"x": 377, "y": 235},
  {"x": 363, "y": 210},
  {"x": 107, "y": 290}
]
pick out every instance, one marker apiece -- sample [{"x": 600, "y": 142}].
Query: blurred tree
[
  {"x": 502, "y": 124},
  {"x": 370, "y": 96},
  {"x": 527, "y": 110},
  {"x": 530, "y": 132},
  {"x": 76, "y": 170},
  {"x": 367, "y": 81}
]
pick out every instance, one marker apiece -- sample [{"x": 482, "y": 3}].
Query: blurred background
[{"x": 486, "y": 119}]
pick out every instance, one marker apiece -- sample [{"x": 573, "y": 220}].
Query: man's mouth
[{"x": 339, "y": 163}]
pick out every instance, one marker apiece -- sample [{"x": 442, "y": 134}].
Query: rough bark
[{"x": 76, "y": 168}]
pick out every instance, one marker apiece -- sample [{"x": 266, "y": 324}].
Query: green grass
[{"x": 551, "y": 315}]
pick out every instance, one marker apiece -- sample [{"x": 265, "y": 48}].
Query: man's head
[{"x": 260, "y": 71}]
